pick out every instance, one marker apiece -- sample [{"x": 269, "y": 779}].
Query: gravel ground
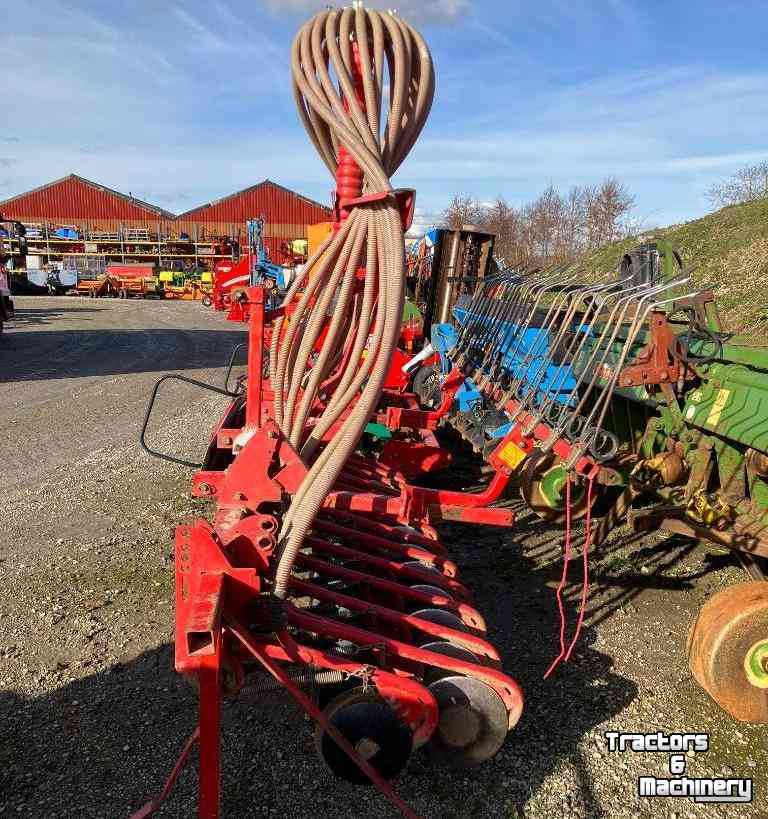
[{"x": 92, "y": 714}]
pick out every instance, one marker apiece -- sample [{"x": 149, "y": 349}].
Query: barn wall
[
  {"x": 73, "y": 201},
  {"x": 91, "y": 207}
]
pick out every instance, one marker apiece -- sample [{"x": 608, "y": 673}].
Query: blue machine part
[
  {"x": 468, "y": 396},
  {"x": 262, "y": 267},
  {"x": 66, "y": 233},
  {"x": 521, "y": 357},
  {"x": 442, "y": 338},
  {"x": 526, "y": 357}
]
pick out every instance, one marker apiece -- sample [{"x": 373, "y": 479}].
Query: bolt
[
  {"x": 240, "y": 496},
  {"x": 205, "y": 488}
]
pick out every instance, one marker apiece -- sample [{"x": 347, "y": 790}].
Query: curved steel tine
[
  {"x": 478, "y": 298},
  {"x": 490, "y": 321},
  {"x": 514, "y": 339},
  {"x": 644, "y": 308},
  {"x": 556, "y": 380},
  {"x": 612, "y": 325},
  {"x": 650, "y": 308},
  {"x": 572, "y": 355},
  {"x": 570, "y": 297},
  {"x": 559, "y": 281},
  {"x": 578, "y": 297},
  {"x": 479, "y": 317},
  {"x": 504, "y": 307},
  {"x": 587, "y": 296}
]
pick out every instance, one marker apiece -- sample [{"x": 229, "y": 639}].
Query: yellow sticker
[
  {"x": 721, "y": 399},
  {"x": 512, "y": 455}
]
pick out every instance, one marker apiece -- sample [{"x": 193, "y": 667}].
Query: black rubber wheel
[{"x": 372, "y": 728}]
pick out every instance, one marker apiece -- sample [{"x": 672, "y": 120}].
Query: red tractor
[{"x": 231, "y": 278}]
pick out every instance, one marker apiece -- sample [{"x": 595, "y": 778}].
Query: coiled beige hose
[{"x": 344, "y": 63}]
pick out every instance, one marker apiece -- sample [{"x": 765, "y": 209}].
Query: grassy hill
[{"x": 727, "y": 251}]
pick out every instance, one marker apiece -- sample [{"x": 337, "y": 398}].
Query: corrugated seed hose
[{"x": 343, "y": 64}]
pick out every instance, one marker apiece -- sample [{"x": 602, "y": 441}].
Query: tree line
[
  {"x": 553, "y": 227},
  {"x": 747, "y": 185},
  {"x": 558, "y": 227}
]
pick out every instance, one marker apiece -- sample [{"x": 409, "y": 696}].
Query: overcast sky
[{"x": 182, "y": 103}]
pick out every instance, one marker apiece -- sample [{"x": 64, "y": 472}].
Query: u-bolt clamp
[
  {"x": 554, "y": 436},
  {"x": 530, "y": 425}
]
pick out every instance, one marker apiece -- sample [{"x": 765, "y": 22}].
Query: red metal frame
[
  {"x": 374, "y": 533},
  {"x": 661, "y": 362}
]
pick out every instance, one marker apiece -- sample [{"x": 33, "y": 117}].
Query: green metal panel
[{"x": 733, "y": 403}]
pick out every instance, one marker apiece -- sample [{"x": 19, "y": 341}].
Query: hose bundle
[{"x": 334, "y": 351}]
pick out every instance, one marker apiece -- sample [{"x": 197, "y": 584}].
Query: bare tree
[
  {"x": 505, "y": 222},
  {"x": 746, "y": 185},
  {"x": 552, "y": 228},
  {"x": 573, "y": 220},
  {"x": 546, "y": 216},
  {"x": 463, "y": 210},
  {"x": 606, "y": 208}
]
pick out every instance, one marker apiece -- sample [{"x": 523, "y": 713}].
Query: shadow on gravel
[
  {"x": 46, "y": 354},
  {"x": 513, "y": 574},
  {"x": 101, "y": 746},
  {"x": 25, "y": 317},
  {"x": 517, "y": 596},
  {"x": 95, "y": 747}
]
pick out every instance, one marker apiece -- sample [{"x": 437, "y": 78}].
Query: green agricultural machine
[{"x": 622, "y": 398}]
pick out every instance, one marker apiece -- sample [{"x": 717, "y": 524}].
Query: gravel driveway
[{"x": 92, "y": 714}]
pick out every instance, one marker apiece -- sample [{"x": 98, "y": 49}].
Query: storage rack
[{"x": 124, "y": 245}]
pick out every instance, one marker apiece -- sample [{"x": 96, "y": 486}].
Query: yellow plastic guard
[
  {"x": 512, "y": 455},
  {"x": 316, "y": 235}
]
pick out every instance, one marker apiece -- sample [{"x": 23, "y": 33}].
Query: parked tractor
[
  {"x": 253, "y": 266},
  {"x": 186, "y": 285}
]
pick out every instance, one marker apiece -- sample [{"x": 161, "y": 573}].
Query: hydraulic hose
[{"x": 329, "y": 361}]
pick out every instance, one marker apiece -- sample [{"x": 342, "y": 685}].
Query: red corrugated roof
[
  {"x": 239, "y": 205},
  {"x": 77, "y": 204},
  {"x": 73, "y": 198}
]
